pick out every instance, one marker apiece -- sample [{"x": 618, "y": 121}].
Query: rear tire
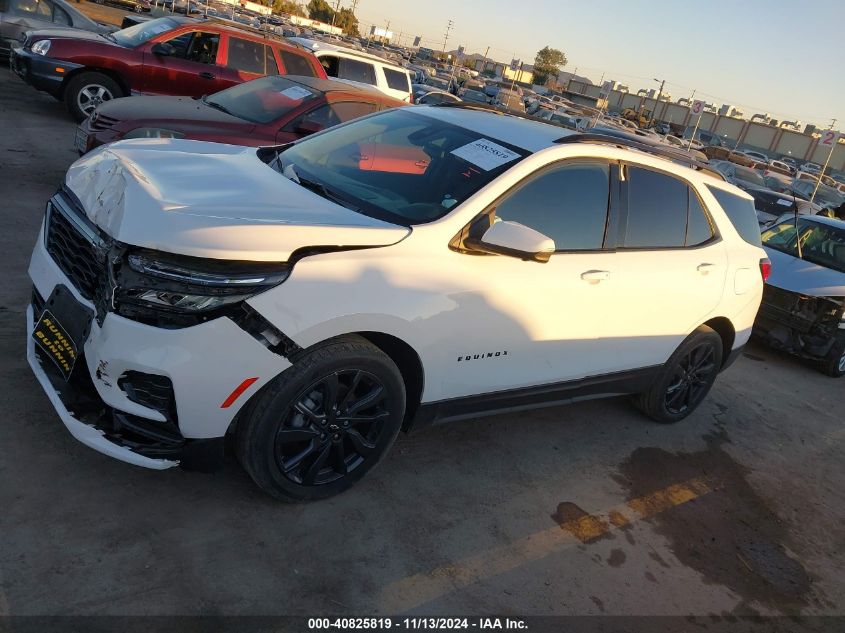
[
  {"x": 88, "y": 90},
  {"x": 686, "y": 378},
  {"x": 834, "y": 364},
  {"x": 322, "y": 424}
]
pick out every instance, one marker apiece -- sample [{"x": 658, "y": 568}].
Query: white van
[{"x": 351, "y": 65}]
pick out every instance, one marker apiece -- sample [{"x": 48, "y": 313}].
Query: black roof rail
[{"x": 676, "y": 155}]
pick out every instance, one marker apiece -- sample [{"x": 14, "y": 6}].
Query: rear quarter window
[
  {"x": 741, "y": 213},
  {"x": 296, "y": 64},
  {"x": 397, "y": 80}
]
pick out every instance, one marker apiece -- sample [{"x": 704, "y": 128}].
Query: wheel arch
[
  {"x": 108, "y": 72},
  {"x": 405, "y": 357},
  {"x": 726, "y": 331}
]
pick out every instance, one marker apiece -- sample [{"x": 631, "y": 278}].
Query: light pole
[{"x": 657, "y": 103}]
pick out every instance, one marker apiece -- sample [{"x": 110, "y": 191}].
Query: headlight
[
  {"x": 41, "y": 47},
  {"x": 153, "y": 132},
  {"x": 152, "y": 286}
]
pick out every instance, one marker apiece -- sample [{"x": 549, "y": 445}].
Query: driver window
[
  {"x": 568, "y": 204},
  {"x": 196, "y": 46}
]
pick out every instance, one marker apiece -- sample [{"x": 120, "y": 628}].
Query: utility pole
[
  {"x": 334, "y": 15},
  {"x": 446, "y": 36},
  {"x": 659, "y": 94}
]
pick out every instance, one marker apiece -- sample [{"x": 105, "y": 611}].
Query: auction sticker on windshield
[
  {"x": 485, "y": 154},
  {"x": 295, "y": 93}
]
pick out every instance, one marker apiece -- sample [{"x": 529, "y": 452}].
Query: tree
[
  {"x": 347, "y": 21},
  {"x": 320, "y": 10},
  {"x": 287, "y": 6},
  {"x": 547, "y": 64}
]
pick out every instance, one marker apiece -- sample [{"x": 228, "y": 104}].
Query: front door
[
  {"x": 528, "y": 323},
  {"x": 191, "y": 70}
]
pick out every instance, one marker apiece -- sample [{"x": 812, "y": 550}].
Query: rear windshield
[
  {"x": 397, "y": 80},
  {"x": 399, "y": 166},
  {"x": 143, "y": 32},
  {"x": 262, "y": 100},
  {"x": 741, "y": 213},
  {"x": 820, "y": 243}
]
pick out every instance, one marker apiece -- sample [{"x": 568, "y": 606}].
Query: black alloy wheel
[
  {"x": 693, "y": 377},
  {"x": 333, "y": 427}
]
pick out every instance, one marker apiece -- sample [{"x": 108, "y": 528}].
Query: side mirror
[
  {"x": 164, "y": 49},
  {"x": 514, "y": 240},
  {"x": 309, "y": 127}
]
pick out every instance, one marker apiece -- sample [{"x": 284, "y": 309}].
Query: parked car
[
  {"x": 781, "y": 166},
  {"x": 361, "y": 67},
  {"x": 813, "y": 168},
  {"x": 509, "y": 99},
  {"x": 474, "y": 96},
  {"x": 310, "y": 300},
  {"x": 434, "y": 97},
  {"x": 827, "y": 197},
  {"x": 172, "y": 55},
  {"x": 19, "y": 16},
  {"x": 266, "y": 111},
  {"x": 757, "y": 157},
  {"x": 716, "y": 152},
  {"x": 771, "y": 205},
  {"x": 742, "y": 177},
  {"x": 138, "y": 6},
  {"x": 804, "y": 298},
  {"x": 703, "y": 136}
]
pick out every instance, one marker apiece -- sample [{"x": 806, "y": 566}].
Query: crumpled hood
[
  {"x": 798, "y": 275},
  {"x": 176, "y": 112},
  {"x": 212, "y": 200}
]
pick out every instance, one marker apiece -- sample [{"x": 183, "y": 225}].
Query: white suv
[
  {"x": 430, "y": 263},
  {"x": 359, "y": 67}
]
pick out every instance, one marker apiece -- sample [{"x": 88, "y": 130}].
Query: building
[{"x": 731, "y": 111}]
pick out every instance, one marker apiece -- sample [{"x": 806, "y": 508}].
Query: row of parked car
[{"x": 375, "y": 265}]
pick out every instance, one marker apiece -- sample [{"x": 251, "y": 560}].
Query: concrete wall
[{"x": 771, "y": 140}]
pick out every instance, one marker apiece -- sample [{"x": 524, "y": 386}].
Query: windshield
[
  {"x": 262, "y": 100},
  {"x": 820, "y": 243},
  {"x": 437, "y": 83},
  {"x": 143, "y": 32},
  {"x": 824, "y": 195},
  {"x": 474, "y": 95},
  {"x": 399, "y": 166}
]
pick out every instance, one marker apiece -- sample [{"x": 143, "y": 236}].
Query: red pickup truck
[{"x": 166, "y": 56}]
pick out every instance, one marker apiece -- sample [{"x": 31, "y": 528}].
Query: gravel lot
[{"x": 587, "y": 509}]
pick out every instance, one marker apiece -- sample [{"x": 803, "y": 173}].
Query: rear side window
[
  {"x": 699, "y": 229},
  {"x": 657, "y": 210},
  {"x": 247, "y": 56},
  {"x": 741, "y": 213},
  {"x": 296, "y": 64},
  {"x": 397, "y": 80},
  {"x": 356, "y": 70}
]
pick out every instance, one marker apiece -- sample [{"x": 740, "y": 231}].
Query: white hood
[{"x": 212, "y": 200}]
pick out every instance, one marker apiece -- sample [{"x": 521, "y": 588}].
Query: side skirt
[{"x": 538, "y": 397}]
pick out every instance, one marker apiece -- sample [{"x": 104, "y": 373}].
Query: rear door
[
  {"x": 671, "y": 266},
  {"x": 248, "y": 59},
  {"x": 193, "y": 70}
]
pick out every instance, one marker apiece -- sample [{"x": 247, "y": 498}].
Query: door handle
[
  {"x": 595, "y": 276},
  {"x": 206, "y": 75},
  {"x": 705, "y": 268}
]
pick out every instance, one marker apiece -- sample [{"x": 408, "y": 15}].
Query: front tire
[
  {"x": 88, "y": 90},
  {"x": 686, "y": 378},
  {"x": 325, "y": 422}
]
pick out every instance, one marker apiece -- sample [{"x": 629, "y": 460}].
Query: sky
[{"x": 786, "y": 58}]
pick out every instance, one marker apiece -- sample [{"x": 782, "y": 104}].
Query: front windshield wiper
[
  {"x": 217, "y": 106},
  {"x": 321, "y": 190}
]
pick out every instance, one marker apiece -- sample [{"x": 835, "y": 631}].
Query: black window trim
[
  {"x": 623, "y": 214},
  {"x": 614, "y": 201}
]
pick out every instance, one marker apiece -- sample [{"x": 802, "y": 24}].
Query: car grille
[
  {"x": 102, "y": 122},
  {"x": 150, "y": 390},
  {"x": 76, "y": 253}
]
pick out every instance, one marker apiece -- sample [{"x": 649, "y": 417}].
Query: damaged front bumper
[
  {"x": 147, "y": 395},
  {"x": 804, "y": 325}
]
